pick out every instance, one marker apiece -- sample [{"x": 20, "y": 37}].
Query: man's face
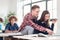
[{"x": 36, "y": 12}]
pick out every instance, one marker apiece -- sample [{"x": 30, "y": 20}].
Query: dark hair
[
  {"x": 43, "y": 17},
  {"x": 1, "y": 20},
  {"x": 12, "y": 17},
  {"x": 34, "y": 7}
]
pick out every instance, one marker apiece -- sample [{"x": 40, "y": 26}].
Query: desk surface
[
  {"x": 38, "y": 38},
  {"x": 29, "y": 38},
  {"x": 9, "y": 34}
]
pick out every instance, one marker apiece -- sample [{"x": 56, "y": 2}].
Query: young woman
[
  {"x": 44, "y": 21},
  {"x": 11, "y": 26}
]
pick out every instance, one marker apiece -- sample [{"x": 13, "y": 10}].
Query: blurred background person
[{"x": 11, "y": 26}]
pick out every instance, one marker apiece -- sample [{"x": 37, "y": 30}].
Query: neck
[
  {"x": 12, "y": 24},
  {"x": 46, "y": 20},
  {"x": 32, "y": 13}
]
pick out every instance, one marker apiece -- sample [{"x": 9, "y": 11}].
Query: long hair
[{"x": 43, "y": 17}]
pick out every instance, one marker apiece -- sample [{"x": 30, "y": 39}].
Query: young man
[{"x": 28, "y": 21}]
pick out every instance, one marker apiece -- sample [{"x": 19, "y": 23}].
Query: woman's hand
[
  {"x": 54, "y": 21},
  {"x": 50, "y": 32}
]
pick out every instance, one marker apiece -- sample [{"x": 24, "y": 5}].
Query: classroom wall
[
  {"x": 13, "y": 6},
  {"x": 58, "y": 16},
  {"x": 3, "y": 7},
  {"x": 6, "y": 6}
]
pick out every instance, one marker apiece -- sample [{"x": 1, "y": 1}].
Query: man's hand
[{"x": 50, "y": 32}]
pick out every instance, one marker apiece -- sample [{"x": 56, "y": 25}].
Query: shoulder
[
  {"x": 1, "y": 23},
  {"x": 39, "y": 21},
  {"x": 8, "y": 24},
  {"x": 28, "y": 16},
  {"x": 15, "y": 24}
]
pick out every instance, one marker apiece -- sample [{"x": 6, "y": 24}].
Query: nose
[{"x": 37, "y": 14}]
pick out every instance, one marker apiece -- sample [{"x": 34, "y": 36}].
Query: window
[
  {"x": 27, "y": 2},
  {"x": 19, "y": 12},
  {"x": 27, "y": 9},
  {"x": 36, "y": 0},
  {"x": 52, "y": 8}
]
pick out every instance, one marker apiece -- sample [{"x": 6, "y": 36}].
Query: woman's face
[
  {"x": 13, "y": 21},
  {"x": 47, "y": 16}
]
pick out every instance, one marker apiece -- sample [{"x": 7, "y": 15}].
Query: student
[
  {"x": 28, "y": 21},
  {"x": 1, "y": 25},
  {"x": 11, "y": 26},
  {"x": 44, "y": 21}
]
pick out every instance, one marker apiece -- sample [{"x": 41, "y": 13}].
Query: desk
[
  {"x": 8, "y": 34},
  {"x": 38, "y": 38}
]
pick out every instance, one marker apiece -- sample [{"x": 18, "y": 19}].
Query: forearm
[
  {"x": 36, "y": 26},
  {"x": 8, "y": 31},
  {"x": 52, "y": 27}
]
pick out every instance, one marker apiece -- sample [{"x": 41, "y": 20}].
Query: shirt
[
  {"x": 44, "y": 25},
  {"x": 10, "y": 27},
  {"x": 0, "y": 26},
  {"x": 28, "y": 21}
]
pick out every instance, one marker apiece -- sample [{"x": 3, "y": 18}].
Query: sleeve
[
  {"x": 17, "y": 27},
  {"x": 52, "y": 27},
  {"x": 7, "y": 27},
  {"x": 23, "y": 23}
]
